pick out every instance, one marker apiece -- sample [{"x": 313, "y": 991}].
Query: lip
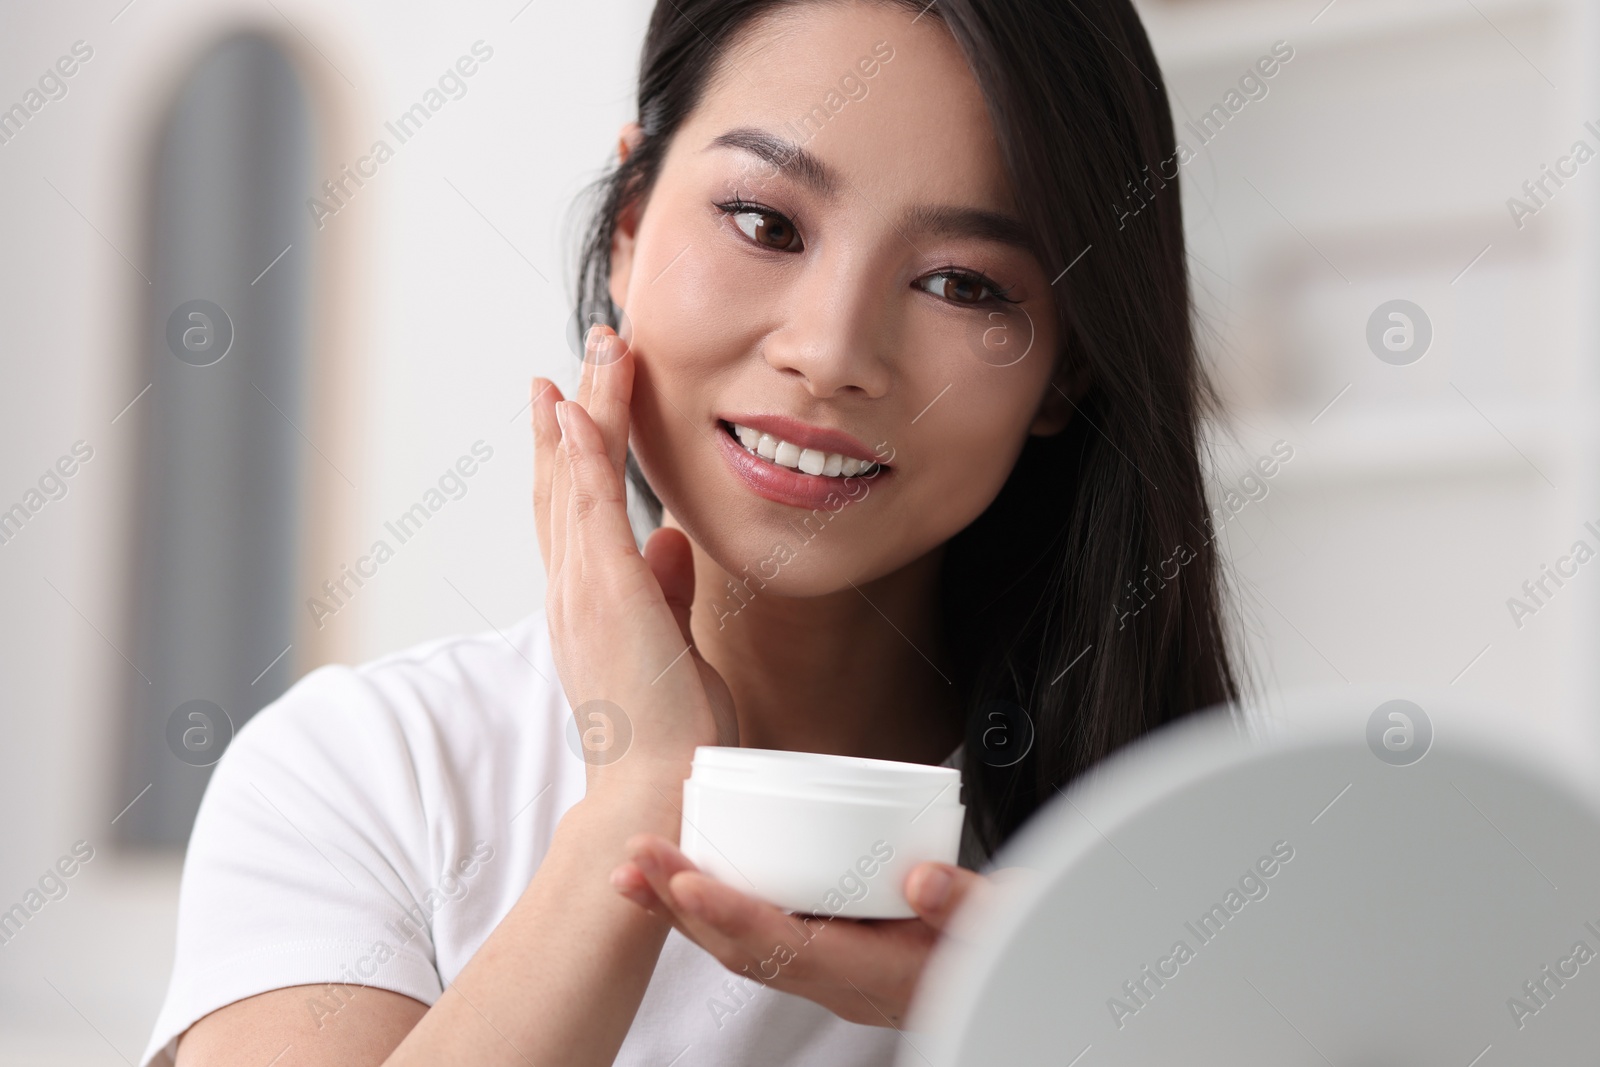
[
  {"x": 784, "y": 485},
  {"x": 806, "y": 436}
]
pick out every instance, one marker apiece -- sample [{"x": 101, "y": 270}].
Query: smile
[
  {"x": 761, "y": 466},
  {"x": 806, "y": 460}
]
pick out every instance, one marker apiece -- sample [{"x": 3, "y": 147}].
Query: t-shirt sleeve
[{"x": 310, "y": 848}]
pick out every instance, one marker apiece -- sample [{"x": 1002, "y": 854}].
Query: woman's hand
[
  {"x": 619, "y": 620},
  {"x": 863, "y": 970}
]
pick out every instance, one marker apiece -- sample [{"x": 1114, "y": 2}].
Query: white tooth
[
  {"x": 830, "y": 469},
  {"x": 787, "y": 455},
  {"x": 747, "y": 436},
  {"x": 812, "y": 461},
  {"x": 766, "y": 446},
  {"x": 850, "y": 467}
]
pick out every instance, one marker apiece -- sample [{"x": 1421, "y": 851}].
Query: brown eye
[
  {"x": 957, "y": 288},
  {"x": 767, "y": 229}
]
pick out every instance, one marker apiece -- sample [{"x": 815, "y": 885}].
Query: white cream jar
[{"x": 819, "y": 834}]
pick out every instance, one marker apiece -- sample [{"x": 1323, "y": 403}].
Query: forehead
[{"x": 916, "y": 129}]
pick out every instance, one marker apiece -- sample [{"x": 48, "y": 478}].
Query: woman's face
[{"x": 848, "y": 299}]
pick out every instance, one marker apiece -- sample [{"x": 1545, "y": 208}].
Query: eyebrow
[{"x": 939, "y": 220}]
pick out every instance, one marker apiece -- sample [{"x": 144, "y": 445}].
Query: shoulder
[
  {"x": 417, "y": 755},
  {"x": 481, "y": 674},
  {"x": 373, "y": 823},
  {"x": 444, "y": 703}
]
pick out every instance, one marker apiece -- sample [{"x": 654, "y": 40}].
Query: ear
[
  {"x": 622, "y": 241},
  {"x": 1069, "y": 382}
]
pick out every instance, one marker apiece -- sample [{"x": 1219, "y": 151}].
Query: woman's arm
[
  {"x": 282, "y": 1028},
  {"x": 558, "y": 981}
]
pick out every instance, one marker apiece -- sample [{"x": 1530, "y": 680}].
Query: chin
[
  {"x": 776, "y": 557},
  {"x": 766, "y": 547}
]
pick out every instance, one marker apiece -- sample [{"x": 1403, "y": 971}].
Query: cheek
[
  {"x": 672, "y": 450},
  {"x": 965, "y": 446},
  {"x": 684, "y": 329},
  {"x": 956, "y": 454},
  {"x": 966, "y": 442},
  {"x": 682, "y": 303},
  {"x": 691, "y": 295}
]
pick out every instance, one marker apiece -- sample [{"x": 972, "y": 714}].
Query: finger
[
  {"x": 585, "y": 376},
  {"x": 788, "y": 952},
  {"x": 611, "y": 394},
  {"x": 631, "y": 883},
  {"x": 656, "y": 857},
  {"x": 591, "y": 339},
  {"x": 741, "y": 931},
  {"x": 546, "y": 437},
  {"x": 936, "y": 890},
  {"x": 560, "y": 496},
  {"x": 671, "y": 560},
  {"x": 809, "y": 955},
  {"x": 598, "y": 536}
]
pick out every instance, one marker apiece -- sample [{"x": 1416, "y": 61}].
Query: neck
[{"x": 858, "y": 672}]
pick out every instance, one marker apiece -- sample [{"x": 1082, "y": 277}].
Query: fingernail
[
  {"x": 933, "y": 890},
  {"x": 561, "y": 415},
  {"x": 588, "y": 338},
  {"x": 618, "y": 880}
]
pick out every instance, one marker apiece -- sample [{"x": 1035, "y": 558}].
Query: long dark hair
[{"x": 1083, "y": 608}]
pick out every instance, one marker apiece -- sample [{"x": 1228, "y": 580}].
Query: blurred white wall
[
  {"x": 448, "y": 279},
  {"x": 1377, "y": 167}
]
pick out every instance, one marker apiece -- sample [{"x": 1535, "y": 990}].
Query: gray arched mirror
[{"x": 219, "y": 478}]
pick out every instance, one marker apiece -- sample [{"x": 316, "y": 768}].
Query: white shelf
[
  {"x": 1419, "y": 442},
  {"x": 1202, "y": 33}
]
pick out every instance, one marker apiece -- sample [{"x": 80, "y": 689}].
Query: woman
[{"x": 915, "y": 405}]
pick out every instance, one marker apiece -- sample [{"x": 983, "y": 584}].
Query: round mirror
[{"x": 1383, "y": 882}]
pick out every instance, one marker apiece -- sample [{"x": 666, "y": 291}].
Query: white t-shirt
[{"x": 374, "y": 824}]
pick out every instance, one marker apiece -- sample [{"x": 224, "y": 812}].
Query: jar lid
[{"x": 769, "y": 770}]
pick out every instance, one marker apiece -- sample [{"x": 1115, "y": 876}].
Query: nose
[{"x": 837, "y": 333}]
